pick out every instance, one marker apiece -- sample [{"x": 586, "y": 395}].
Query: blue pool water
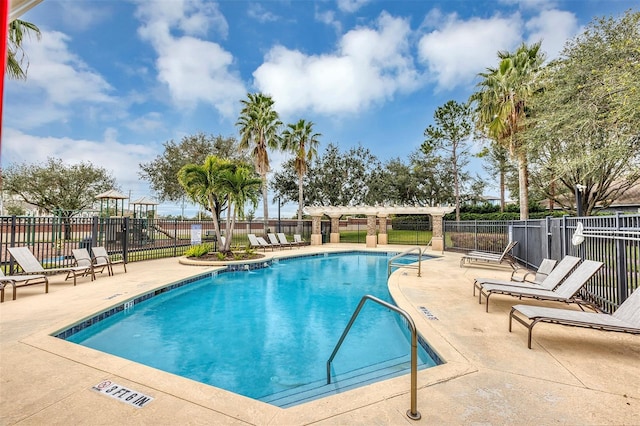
[{"x": 267, "y": 333}]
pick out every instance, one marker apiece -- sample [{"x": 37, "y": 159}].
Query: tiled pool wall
[{"x": 249, "y": 266}]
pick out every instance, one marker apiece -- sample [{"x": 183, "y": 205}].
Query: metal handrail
[
  {"x": 404, "y": 265},
  {"x": 412, "y": 413}
]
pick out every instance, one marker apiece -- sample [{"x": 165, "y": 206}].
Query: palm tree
[
  {"x": 239, "y": 184},
  {"x": 15, "y": 54},
  {"x": 300, "y": 140},
  {"x": 259, "y": 124},
  {"x": 501, "y": 106},
  {"x": 221, "y": 179},
  {"x": 200, "y": 184}
]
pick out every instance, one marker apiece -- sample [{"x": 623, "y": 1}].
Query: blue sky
[{"x": 112, "y": 80}]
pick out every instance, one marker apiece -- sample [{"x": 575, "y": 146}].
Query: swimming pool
[{"x": 265, "y": 333}]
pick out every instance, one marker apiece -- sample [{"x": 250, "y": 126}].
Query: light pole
[
  {"x": 279, "y": 215},
  {"x": 579, "y": 194}
]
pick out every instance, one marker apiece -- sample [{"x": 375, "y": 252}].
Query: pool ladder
[
  {"x": 413, "y": 412},
  {"x": 404, "y": 265}
]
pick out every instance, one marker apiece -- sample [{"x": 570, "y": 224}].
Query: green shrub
[{"x": 197, "y": 251}]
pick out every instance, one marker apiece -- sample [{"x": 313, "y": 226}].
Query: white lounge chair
[
  {"x": 258, "y": 242},
  {"x": 553, "y": 280},
  {"x": 102, "y": 258},
  {"x": 21, "y": 281},
  {"x": 626, "y": 319},
  {"x": 565, "y": 292},
  {"x": 82, "y": 258},
  {"x": 273, "y": 240},
  {"x": 297, "y": 238},
  {"x": 31, "y": 265},
  {"x": 543, "y": 271},
  {"x": 284, "y": 241},
  {"x": 491, "y": 258}
]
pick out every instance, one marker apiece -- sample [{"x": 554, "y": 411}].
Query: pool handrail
[
  {"x": 390, "y": 264},
  {"x": 413, "y": 412}
]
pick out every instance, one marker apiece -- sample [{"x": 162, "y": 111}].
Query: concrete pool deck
[{"x": 571, "y": 376}]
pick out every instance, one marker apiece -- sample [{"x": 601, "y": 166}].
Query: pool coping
[
  {"x": 256, "y": 412},
  {"x": 570, "y": 376}
]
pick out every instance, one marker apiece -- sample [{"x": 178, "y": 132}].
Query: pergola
[
  {"x": 374, "y": 215},
  {"x": 112, "y": 195},
  {"x": 142, "y": 207}
]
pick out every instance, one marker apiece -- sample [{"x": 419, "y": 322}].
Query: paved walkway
[{"x": 571, "y": 376}]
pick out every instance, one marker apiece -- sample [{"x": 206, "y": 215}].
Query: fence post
[
  {"x": 621, "y": 264},
  {"x": 125, "y": 239},
  {"x": 475, "y": 234},
  {"x": 563, "y": 239},
  {"x": 175, "y": 237},
  {"x": 547, "y": 230},
  {"x": 94, "y": 231},
  {"x": 13, "y": 243}
]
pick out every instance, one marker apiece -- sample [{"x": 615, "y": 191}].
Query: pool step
[{"x": 341, "y": 383}]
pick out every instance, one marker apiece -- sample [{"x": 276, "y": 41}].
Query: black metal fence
[
  {"x": 52, "y": 239},
  {"x": 613, "y": 240}
]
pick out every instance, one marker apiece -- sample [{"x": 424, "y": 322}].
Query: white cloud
[
  {"x": 150, "y": 122},
  {"x": 329, "y": 18},
  {"x": 258, "y": 12},
  {"x": 351, "y": 5},
  {"x": 370, "y": 65},
  {"x": 192, "y": 17},
  {"x": 62, "y": 75},
  {"x": 59, "y": 86},
  {"x": 194, "y": 70},
  {"x": 119, "y": 159},
  {"x": 457, "y": 50},
  {"x": 554, "y": 28}
]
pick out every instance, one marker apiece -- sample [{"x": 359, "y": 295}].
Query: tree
[
  {"x": 451, "y": 133},
  {"x": 220, "y": 179},
  {"x": 584, "y": 124},
  {"x": 162, "y": 172},
  {"x": 434, "y": 175},
  {"x": 18, "y": 29},
  {"x": 396, "y": 183},
  {"x": 497, "y": 158},
  {"x": 57, "y": 188},
  {"x": 300, "y": 140},
  {"x": 259, "y": 125},
  {"x": 239, "y": 185},
  {"x": 354, "y": 170},
  {"x": 501, "y": 106}
]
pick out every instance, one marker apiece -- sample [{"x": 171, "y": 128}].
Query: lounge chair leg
[{"x": 510, "y": 318}]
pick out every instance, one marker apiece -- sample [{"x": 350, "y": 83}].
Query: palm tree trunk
[
  {"x": 300, "y": 204},
  {"x": 502, "y": 191},
  {"x": 265, "y": 202},
  {"x": 523, "y": 183}
]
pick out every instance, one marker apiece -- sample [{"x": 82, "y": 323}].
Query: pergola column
[
  {"x": 437, "y": 239},
  {"x": 372, "y": 239},
  {"x": 382, "y": 229},
  {"x": 334, "y": 237},
  {"x": 316, "y": 230}
]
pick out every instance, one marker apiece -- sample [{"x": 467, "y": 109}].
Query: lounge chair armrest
[{"x": 522, "y": 278}]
